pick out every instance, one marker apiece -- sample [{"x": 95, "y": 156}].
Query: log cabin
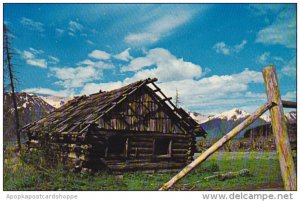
[{"x": 135, "y": 127}]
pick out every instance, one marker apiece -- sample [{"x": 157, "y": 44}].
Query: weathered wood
[
  {"x": 289, "y": 104},
  {"x": 216, "y": 146},
  {"x": 229, "y": 175},
  {"x": 287, "y": 166}
]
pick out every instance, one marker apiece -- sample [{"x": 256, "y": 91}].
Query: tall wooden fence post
[{"x": 287, "y": 166}]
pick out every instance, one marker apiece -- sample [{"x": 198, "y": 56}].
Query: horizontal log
[
  {"x": 144, "y": 166},
  {"x": 179, "y": 151},
  {"x": 289, "y": 104},
  {"x": 141, "y": 144},
  {"x": 141, "y": 149}
]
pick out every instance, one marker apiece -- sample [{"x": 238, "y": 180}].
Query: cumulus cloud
[
  {"x": 99, "y": 54},
  {"x": 205, "y": 95},
  {"x": 71, "y": 78},
  {"x": 124, "y": 56},
  {"x": 227, "y": 90},
  {"x": 32, "y": 25},
  {"x": 223, "y": 48},
  {"x": 46, "y": 91},
  {"x": 91, "y": 88},
  {"x": 166, "y": 67},
  {"x": 282, "y": 30}
]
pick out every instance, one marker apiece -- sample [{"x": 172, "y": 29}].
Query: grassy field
[{"x": 21, "y": 175}]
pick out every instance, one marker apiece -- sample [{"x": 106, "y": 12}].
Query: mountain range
[{"x": 218, "y": 125}]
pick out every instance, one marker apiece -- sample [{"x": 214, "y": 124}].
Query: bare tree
[
  {"x": 177, "y": 100},
  {"x": 8, "y": 68}
]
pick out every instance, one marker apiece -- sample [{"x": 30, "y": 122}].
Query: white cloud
[
  {"x": 34, "y": 51},
  {"x": 263, "y": 58},
  {"x": 240, "y": 46},
  {"x": 41, "y": 63},
  {"x": 71, "y": 34},
  {"x": 32, "y": 25},
  {"x": 206, "y": 95},
  {"x": 35, "y": 57},
  {"x": 53, "y": 60},
  {"x": 167, "y": 67},
  {"x": 98, "y": 64},
  {"x": 27, "y": 55},
  {"x": 290, "y": 95},
  {"x": 75, "y": 77},
  {"x": 91, "y": 88},
  {"x": 90, "y": 42},
  {"x": 74, "y": 27},
  {"x": 160, "y": 27},
  {"x": 99, "y": 54},
  {"x": 223, "y": 48},
  {"x": 289, "y": 69},
  {"x": 59, "y": 32},
  {"x": 282, "y": 31},
  {"x": 215, "y": 92},
  {"x": 46, "y": 91},
  {"x": 139, "y": 38},
  {"x": 263, "y": 9},
  {"x": 124, "y": 56},
  {"x": 30, "y": 58}
]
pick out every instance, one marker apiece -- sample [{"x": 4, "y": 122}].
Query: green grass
[{"x": 20, "y": 175}]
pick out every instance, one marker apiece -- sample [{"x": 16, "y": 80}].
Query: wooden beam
[
  {"x": 216, "y": 146},
  {"x": 283, "y": 146},
  {"x": 289, "y": 104},
  {"x": 167, "y": 99},
  {"x": 149, "y": 80}
]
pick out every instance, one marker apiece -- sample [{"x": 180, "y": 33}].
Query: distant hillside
[{"x": 30, "y": 108}]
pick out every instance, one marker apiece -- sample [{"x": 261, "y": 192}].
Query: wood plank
[{"x": 279, "y": 128}]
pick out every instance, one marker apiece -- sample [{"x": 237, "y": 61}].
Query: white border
[{"x": 132, "y": 195}]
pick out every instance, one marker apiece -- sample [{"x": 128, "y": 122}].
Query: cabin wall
[{"x": 141, "y": 112}]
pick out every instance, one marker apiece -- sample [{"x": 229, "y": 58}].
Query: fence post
[{"x": 287, "y": 166}]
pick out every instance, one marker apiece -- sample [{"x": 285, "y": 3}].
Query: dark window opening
[
  {"x": 117, "y": 145},
  {"x": 162, "y": 147}
]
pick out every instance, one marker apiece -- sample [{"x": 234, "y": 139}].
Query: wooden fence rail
[
  {"x": 279, "y": 129},
  {"x": 289, "y": 104}
]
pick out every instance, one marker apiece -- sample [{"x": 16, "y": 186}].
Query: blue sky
[{"x": 211, "y": 53}]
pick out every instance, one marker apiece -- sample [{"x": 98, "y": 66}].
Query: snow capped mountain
[
  {"x": 220, "y": 124},
  {"x": 55, "y": 101},
  {"x": 199, "y": 118},
  {"x": 291, "y": 116},
  {"x": 234, "y": 114},
  {"x": 30, "y": 108}
]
